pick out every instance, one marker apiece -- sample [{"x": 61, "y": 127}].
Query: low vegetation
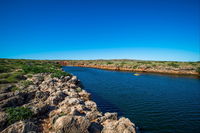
[
  {"x": 190, "y": 67},
  {"x": 14, "y": 71},
  {"x": 18, "y": 113}
]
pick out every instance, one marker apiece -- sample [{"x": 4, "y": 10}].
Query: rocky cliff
[{"x": 55, "y": 105}]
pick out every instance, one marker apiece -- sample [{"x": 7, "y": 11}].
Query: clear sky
[{"x": 100, "y": 29}]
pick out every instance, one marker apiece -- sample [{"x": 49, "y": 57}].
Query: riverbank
[
  {"x": 49, "y": 101},
  {"x": 178, "y": 68}
]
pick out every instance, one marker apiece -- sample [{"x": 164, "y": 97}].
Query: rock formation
[{"x": 58, "y": 105}]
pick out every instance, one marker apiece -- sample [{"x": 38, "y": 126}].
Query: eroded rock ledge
[{"x": 59, "y": 105}]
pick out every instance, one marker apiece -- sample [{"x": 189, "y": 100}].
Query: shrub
[
  {"x": 18, "y": 113},
  {"x": 173, "y": 65},
  {"x": 198, "y": 69},
  {"x": 15, "y": 89},
  {"x": 4, "y": 69},
  {"x": 79, "y": 89},
  {"x": 135, "y": 67},
  {"x": 29, "y": 75},
  {"x": 4, "y": 75},
  {"x": 59, "y": 73},
  {"x": 26, "y": 83},
  {"x": 109, "y": 62},
  {"x": 12, "y": 78},
  {"x": 34, "y": 69}
]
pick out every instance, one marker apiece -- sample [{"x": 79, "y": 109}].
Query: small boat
[{"x": 136, "y": 74}]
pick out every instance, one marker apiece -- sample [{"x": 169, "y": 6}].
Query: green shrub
[
  {"x": 198, "y": 69},
  {"x": 35, "y": 69},
  {"x": 29, "y": 75},
  {"x": 25, "y": 83},
  {"x": 4, "y": 75},
  {"x": 79, "y": 89},
  {"x": 173, "y": 65},
  {"x": 59, "y": 73},
  {"x": 135, "y": 67},
  {"x": 15, "y": 89},
  {"x": 4, "y": 69},
  {"x": 109, "y": 62},
  {"x": 12, "y": 78},
  {"x": 18, "y": 113}
]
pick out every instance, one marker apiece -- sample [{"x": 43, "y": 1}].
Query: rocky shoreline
[
  {"x": 164, "y": 71},
  {"x": 58, "y": 105}
]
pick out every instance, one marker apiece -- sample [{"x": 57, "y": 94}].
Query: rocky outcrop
[{"x": 59, "y": 105}]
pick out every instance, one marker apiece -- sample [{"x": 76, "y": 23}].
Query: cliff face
[{"x": 57, "y": 105}]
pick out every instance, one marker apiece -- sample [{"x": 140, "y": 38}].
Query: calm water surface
[{"x": 155, "y": 103}]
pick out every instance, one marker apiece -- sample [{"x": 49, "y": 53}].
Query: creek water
[{"x": 155, "y": 103}]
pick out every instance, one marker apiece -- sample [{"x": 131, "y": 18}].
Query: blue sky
[{"x": 103, "y": 29}]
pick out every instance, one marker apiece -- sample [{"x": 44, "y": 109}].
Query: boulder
[
  {"x": 5, "y": 88},
  {"x": 95, "y": 127},
  {"x": 71, "y": 124},
  {"x": 73, "y": 101},
  {"x": 4, "y": 96},
  {"x": 3, "y": 120},
  {"x": 12, "y": 101},
  {"x": 85, "y": 95},
  {"x": 123, "y": 125},
  {"x": 21, "y": 127},
  {"x": 111, "y": 116},
  {"x": 39, "y": 108},
  {"x": 41, "y": 96},
  {"x": 91, "y": 105},
  {"x": 73, "y": 80},
  {"x": 93, "y": 115},
  {"x": 59, "y": 96}
]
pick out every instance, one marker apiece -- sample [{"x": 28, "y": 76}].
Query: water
[{"x": 155, "y": 103}]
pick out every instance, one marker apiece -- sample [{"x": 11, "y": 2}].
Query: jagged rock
[
  {"x": 38, "y": 78},
  {"x": 71, "y": 124},
  {"x": 12, "y": 101},
  {"x": 21, "y": 127},
  {"x": 4, "y": 96},
  {"x": 92, "y": 115},
  {"x": 85, "y": 95},
  {"x": 41, "y": 95},
  {"x": 95, "y": 127},
  {"x": 67, "y": 109},
  {"x": 91, "y": 105},
  {"x": 39, "y": 108},
  {"x": 59, "y": 96},
  {"x": 123, "y": 125},
  {"x": 3, "y": 120},
  {"x": 73, "y": 80},
  {"x": 5, "y": 88},
  {"x": 73, "y": 101},
  {"x": 112, "y": 116}
]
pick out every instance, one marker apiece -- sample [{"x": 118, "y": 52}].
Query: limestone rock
[
  {"x": 21, "y": 127},
  {"x": 123, "y": 125},
  {"x": 3, "y": 120},
  {"x": 71, "y": 124}
]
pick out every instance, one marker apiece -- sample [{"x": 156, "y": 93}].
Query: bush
[
  {"x": 12, "y": 78},
  {"x": 79, "y": 89},
  {"x": 4, "y": 69},
  {"x": 173, "y": 65},
  {"x": 35, "y": 69},
  {"x": 15, "y": 89},
  {"x": 18, "y": 113},
  {"x": 25, "y": 83},
  {"x": 198, "y": 70},
  {"x": 109, "y": 62},
  {"x": 59, "y": 73}
]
